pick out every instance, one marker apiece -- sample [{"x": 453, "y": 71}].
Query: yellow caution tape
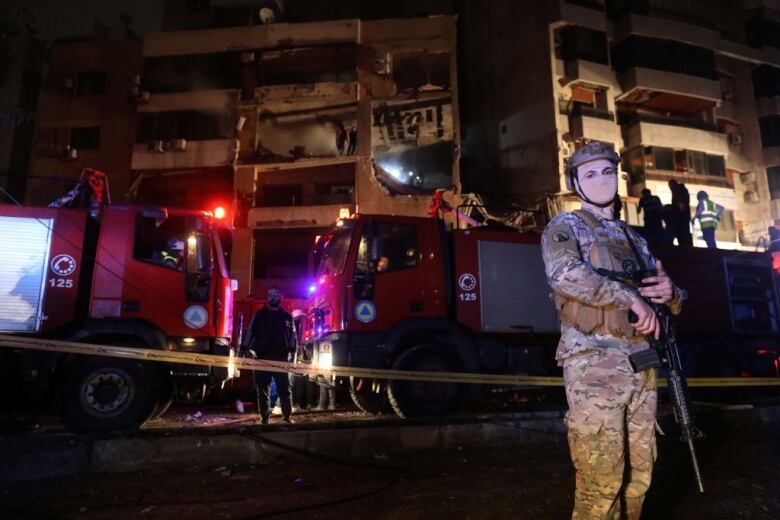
[{"x": 230, "y": 362}]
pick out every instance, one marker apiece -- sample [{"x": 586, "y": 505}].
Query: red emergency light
[{"x": 220, "y": 212}]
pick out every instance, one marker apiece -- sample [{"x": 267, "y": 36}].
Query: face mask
[{"x": 597, "y": 181}]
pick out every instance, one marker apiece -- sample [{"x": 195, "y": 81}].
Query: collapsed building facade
[{"x": 295, "y": 125}]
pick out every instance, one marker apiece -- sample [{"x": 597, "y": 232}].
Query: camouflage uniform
[{"x": 611, "y": 409}]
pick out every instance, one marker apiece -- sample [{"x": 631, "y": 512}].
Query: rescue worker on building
[
  {"x": 709, "y": 214},
  {"x": 271, "y": 335},
  {"x": 652, "y": 206},
  {"x": 611, "y": 416}
]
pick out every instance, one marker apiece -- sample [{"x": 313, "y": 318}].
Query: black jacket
[{"x": 271, "y": 334}]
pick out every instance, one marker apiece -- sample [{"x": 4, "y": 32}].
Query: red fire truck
[
  {"x": 150, "y": 277},
  {"x": 407, "y": 293}
]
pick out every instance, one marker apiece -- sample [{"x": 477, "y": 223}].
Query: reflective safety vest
[
  {"x": 610, "y": 254},
  {"x": 709, "y": 217}
]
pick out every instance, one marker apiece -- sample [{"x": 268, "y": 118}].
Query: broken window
[
  {"x": 193, "y": 72},
  {"x": 322, "y": 131},
  {"x": 193, "y": 125},
  {"x": 412, "y": 154}
]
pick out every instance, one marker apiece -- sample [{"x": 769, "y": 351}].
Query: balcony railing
[
  {"x": 633, "y": 119},
  {"x": 577, "y": 110}
]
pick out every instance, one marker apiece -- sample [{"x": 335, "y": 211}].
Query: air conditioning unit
[
  {"x": 728, "y": 96},
  {"x": 747, "y": 177},
  {"x": 751, "y": 196},
  {"x": 143, "y": 96},
  {"x": 247, "y": 57},
  {"x": 735, "y": 138},
  {"x": 70, "y": 153},
  {"x": 67, "y": 84},
  {"x": 156, "y": 147},
  {"x": 177, "y": 145}
]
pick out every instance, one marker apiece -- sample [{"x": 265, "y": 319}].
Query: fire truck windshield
[{"x": 334, "y": 249}]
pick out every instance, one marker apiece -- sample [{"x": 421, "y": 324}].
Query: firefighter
[
  {"x": 709, "y": 214},
  {"x": 173, "y": 254},
  {"x": 612, "y": 410},
  {"x": 271, "y": 335}
]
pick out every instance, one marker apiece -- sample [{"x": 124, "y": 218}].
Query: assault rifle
[{"x": 663, "y": 353}]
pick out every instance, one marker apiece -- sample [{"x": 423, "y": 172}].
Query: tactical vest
[{"x": 612, "y": 255}]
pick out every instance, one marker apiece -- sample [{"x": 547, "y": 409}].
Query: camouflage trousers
[{"x": 611, "y": 421}]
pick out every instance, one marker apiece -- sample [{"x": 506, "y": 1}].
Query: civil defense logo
[
  {"x": 365, "y": 311},
  {"x": 196, "y": 316},
  {"x": 63, "y": 265},
  {"x": 467, "y": 282}
]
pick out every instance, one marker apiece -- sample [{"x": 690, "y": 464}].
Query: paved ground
[{"x": 739, "y": 466}]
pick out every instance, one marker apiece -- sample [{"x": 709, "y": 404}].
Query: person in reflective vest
[{"x": 709, "y": 214}]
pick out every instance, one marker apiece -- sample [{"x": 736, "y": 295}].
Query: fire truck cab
[
  {"x": 137, "y": 276},
  {"x": 406, "y": 293}
]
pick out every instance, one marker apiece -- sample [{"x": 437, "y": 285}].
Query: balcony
[
  {"x": 588, "y": 72},
  {"x": 667, "y": 29},
  {"x": 667, "y": 132},
  {"x": 296, "y": 216},
  {"x": 772, "y": 156},
  {"x": 643, "y": 79},
  {"x": 573, "y": 12},
  {"x": 194, "y": 100},
  {"x": 729, "y": 111},
  {"x": 767, "y": 106},
  {"x": 591, "y": 123},
  {"x": 198, "y": 154}
]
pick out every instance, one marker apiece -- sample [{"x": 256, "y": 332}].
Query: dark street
[{"x": 738, "y": 463}]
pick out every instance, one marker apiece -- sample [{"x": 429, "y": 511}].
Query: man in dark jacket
[
  {"x": 271, "y": 335},
  {"x": 681, "y": 213}
]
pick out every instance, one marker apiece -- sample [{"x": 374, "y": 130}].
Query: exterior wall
[
  {"x": 529, "y": 129},
  {"x": 22, "y": 66},
  {"x": 61, "y": 109},
  {"x": 285, "y": 129}
]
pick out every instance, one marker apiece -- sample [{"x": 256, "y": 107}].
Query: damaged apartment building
[
  {"x": 683, "y": 89},
  {"x": 294, "y": 125}
]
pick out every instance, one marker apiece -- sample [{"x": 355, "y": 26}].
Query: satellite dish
[{"x": 267, "y": 15}]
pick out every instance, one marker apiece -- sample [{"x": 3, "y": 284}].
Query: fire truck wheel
[
  {"x": 369, "y": 395},
  {"x": 107, "y": 394},
  {"x": 423, "y": 398}
]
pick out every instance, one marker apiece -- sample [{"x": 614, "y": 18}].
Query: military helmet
[{"x": 591, "y": 151}]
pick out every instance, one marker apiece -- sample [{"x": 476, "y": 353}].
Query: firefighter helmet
[{"x": 591, "y": 151}]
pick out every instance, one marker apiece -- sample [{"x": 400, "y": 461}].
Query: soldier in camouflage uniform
[{"x": 611, "y": 417}]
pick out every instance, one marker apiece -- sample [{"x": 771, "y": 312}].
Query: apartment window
[
  {"x": 277, "y": 195},
  {"x": 763, "y": 31},
  {"x": 773, "y": 175},
  {"x": 666, "y": 55},
  {"x": 85, "y": 138},
  {"x": 192, "y": 125},
  {"x": 91, "y": 83},
  {"x": 664, "y": 158},
  {"x": 580, "y": 43},
  {"x": 766, "y": 81},
  {"x": 193, "y": 72},
  {"x": 284, "y": 255},
  {"x": 770, "y": 130}
]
